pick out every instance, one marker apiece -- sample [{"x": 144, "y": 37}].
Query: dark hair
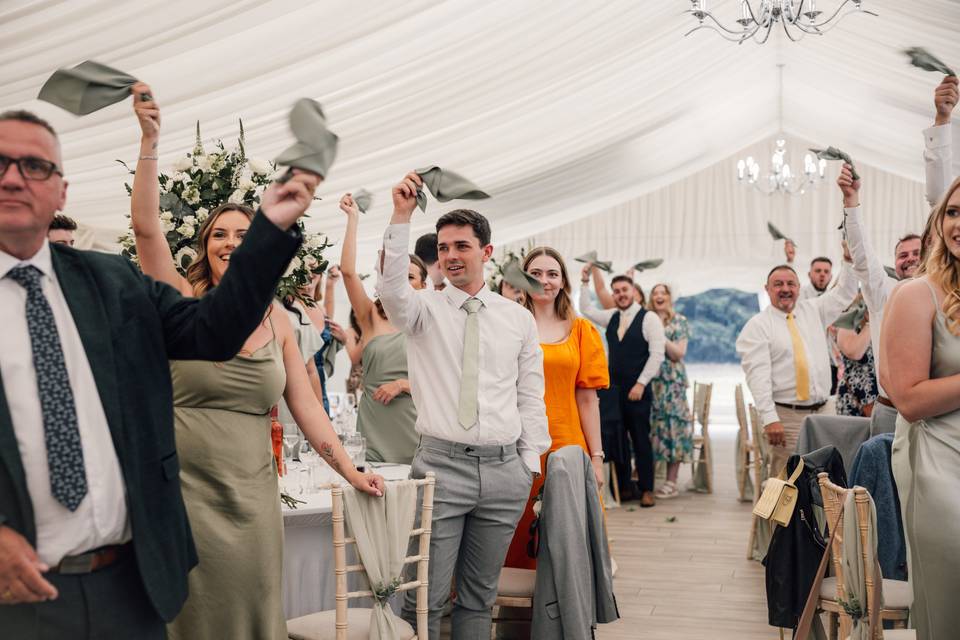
[
  {"x": 621, "y": 278},
  {"x": 426, "y": 248},
  {"x": 419, "y": 264},
  {"x": 356, "y": 325},
  {"x": 467, "y": 218},
  {"x": 821, "y": 259},
  {"x": 781, "y": 267},
  {"x": 909, "y": 236},
  {"x": 643, "y": 296},
  {"x": 61, "y": 221},
  {"x": 22, "y": 115}
]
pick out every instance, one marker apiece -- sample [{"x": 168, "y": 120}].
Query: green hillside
[{"x": 716, "y": 318}]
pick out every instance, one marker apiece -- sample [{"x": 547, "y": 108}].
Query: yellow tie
[{"x": 799, "y": 360}]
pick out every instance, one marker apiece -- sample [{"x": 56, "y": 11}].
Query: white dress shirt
[
  {"x": 101, "y": 518},
  {"x": 808, "y": 291},
  {"x": 511, "y": 386},
  {"x": 938, "y": 161},
  {"x": 766, "y": 348},
  {"x": 652, "y": 329},
  {"x": 875, "y": 284}
]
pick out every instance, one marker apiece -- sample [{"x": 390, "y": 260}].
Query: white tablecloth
[{"x": 308, "y": 578}]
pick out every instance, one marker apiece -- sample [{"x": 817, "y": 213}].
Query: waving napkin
[
  {"x": 777, "y": 234},
  {"x": 832, "y": 153},
  {"x": 643, "y": 265},
  {"x": 852, "y": 318},
  {"x": 516, "y": 277},
  {"x": 446, "y": 185},
  {"x": 891, "y": 272},
  {"x": 923, "y": 59},
  {"x": 87, "y": 87},
  {"x": 364, "y": 199},
  {"x": 316, "y": 146},
  {"x": 591, "y": 258}
]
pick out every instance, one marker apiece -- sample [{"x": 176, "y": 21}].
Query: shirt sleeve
[
  {"x": 937, "y": 161},
  {"x": 753, "y": 347},
  {"x": 534, "y": 434},
  {"x": 656, "y": 338},
  {"x": 866, "y": 266},
  {"x": 835, "y": 301},
  {"x": 593, "y": 372},
  {"x": 405, "y": 310},
  {"x": 592, "y": 312}
]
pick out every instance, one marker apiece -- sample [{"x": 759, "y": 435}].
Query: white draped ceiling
[{"x": 562, "y": 110}]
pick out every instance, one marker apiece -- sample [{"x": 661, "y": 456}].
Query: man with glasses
[{"x": 94, "y": 538}]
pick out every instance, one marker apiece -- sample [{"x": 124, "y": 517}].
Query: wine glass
[
  {"x": 353, "y": 445},
  {"x": 351, "y": 401},
  {"x": 336, "y": 405},
  {"x": 291, "y": 435}
]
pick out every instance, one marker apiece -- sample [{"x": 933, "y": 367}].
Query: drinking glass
[
  {"x": 291, "y": 435},
  {"x": 353, "y": 445}
]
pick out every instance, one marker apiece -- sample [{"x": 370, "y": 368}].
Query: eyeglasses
[{"x": 30, "y": 168}]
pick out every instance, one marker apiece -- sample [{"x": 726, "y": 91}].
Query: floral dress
[
  {"x": 671, "y": 423},
  {"x": 858, "y": 388}
]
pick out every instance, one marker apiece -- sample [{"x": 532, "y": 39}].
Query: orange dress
[{"x": 579, "y": 362}]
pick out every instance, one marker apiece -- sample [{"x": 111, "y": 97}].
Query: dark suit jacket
[{"x": 130, "y": 326}]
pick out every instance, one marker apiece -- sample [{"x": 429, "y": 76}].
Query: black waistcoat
[{"x": 627, "y": 356}]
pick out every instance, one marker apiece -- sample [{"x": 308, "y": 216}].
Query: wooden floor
[{"x": 688, "y": 578}]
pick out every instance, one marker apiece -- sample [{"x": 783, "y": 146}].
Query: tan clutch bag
[{"x": 779, "y": 497}]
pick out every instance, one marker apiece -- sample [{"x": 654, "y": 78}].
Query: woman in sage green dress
[
  {"x": 671, "y": 424},
  {"x": 386, "y": 416},
  {"x": 920, "y": 370},
  {"x": 222, "y": 418}
]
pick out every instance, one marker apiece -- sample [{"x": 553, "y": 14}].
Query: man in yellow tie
[{"x": 785, "y": 357}]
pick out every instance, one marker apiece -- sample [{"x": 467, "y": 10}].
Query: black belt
[
  {"x": 802, "y": 407},
  {"x": 886, "y": 402}
]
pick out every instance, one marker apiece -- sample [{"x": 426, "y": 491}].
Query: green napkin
[
  {"x": 316, "y": 146},
  {"x": 364, "y": 199},
  {"x": 923, "y": 59},
  {"x": 515, "y": 276},
  {"x": 832, "y": 153},
  {"x": 852, "y": 318},
  {"x": 647, "y": 264},
  {"x": 446, "y": 185},
  {"x": 891, "y": 272},
  {"x": 591, "y": 258},
  {"x": 777, "y": 234},
  {"x": 87, "y": 87}
]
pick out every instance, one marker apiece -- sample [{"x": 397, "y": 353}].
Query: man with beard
[
  {"x": 784, "y": 354},
  {"x": 875, "y": 283},
  {"x": 821, "y": 271}
]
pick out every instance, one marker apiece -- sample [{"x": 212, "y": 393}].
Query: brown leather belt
[
  {"x": 886, "y": 402},
  {"x": 802, "y": 407},
  {"x": 93, "y": 560}
]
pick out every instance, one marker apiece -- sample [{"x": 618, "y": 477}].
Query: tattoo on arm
[{"x": 326, "y": 450}]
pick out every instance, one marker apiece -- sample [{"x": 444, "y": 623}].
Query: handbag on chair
[{"x": 779, "y": 497}]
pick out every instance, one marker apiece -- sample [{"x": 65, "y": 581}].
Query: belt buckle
[{"x": 75, "y": 565}]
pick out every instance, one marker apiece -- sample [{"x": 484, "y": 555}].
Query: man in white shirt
[
  {"x": 821, "y": 271},
  {"x": 938, "y": 142},
  {"x": 875, "y": 284},
  {"x": 476, "y": 376},
  {"x": 636, "y": 343},
  {"x": 784, "y": 354}
]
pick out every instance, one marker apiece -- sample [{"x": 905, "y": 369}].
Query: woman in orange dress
[{"x": 574, "y": 367}]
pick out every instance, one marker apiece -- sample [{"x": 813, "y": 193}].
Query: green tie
[{"x": 470, "y": 375}]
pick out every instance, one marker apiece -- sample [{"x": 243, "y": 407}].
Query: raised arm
[
  {"x": 152, "y": 249},
  {"x": 405, "y": 309},
  {"x": 359, "y": 300},
  {"x": 852, "y": 344},
  {"x": 835, "y": 301},
  {"x": 587, "y": 309},
  {"x": 604, "y": 297},
  {"x": 866, "y": 266},
  {"x": 330, "y": 290},
  {"x": 938, "y": 143}
]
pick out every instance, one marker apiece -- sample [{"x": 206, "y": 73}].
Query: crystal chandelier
[
  {"x": 798, "y": 18},
  {"x": 781, "y": 178}
]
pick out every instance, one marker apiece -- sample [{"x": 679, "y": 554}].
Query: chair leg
[
  {"x": 753, "y": 536},
  {"x": 833, "y": 624},
  {"x": 708, "y": 459},
  {"x": 614, "y": 484}
]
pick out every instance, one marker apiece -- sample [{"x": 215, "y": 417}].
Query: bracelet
[
  {"x": 149, "y": 157},
  {"x": 598, "y": 454}
]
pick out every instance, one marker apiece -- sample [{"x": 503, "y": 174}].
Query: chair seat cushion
[
  {"x": 323, "y": 626},
  {"x": 900, "y": 634},
  {"x": 516, "y": 583},
  {"x": 897, "y": 594}
]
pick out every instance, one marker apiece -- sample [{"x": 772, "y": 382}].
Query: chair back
[
  {"x": 761, "y": 460},
  {"x": 834, "y": 497},
  {"x": 702, "y": 393},
  {"x": 341, "y": 568},
  {"x": 741, "y": 413}
]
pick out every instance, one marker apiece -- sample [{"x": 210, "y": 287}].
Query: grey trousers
[
  {"x": 883, "y": 419},
  {"x": 480, "y": 494}
]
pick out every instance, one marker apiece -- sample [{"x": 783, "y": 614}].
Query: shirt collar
[
  {"x": 459, "y": 296},
  {"x": 42, "y": 260},
  {"x": 631, "y": 310}
]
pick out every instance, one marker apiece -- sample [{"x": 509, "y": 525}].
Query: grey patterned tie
[
  {"x": 470, "y": 372},
  {"x": 68, "y": 480}
]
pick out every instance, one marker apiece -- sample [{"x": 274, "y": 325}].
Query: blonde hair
[
  {"x": 198, "y": 273},
  {"x": 670, "y": 312},
  {"x": 561, "y": 304},
  {"x": 942, "y": 267}
]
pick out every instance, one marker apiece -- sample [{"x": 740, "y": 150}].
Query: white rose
[
  {"x": 246, "y": 184},
  {"x": 259, "y": 166},
  {"x": 205, "y": 163},
  {"x": 166, "y": 216},
  {"x": 314, "y": 241},
  {"x": 237, "y": 196},
  {"x": 310, "y": 262},
  {"x": 295, "y": 264},
  {"x": 202, "y": 213},
  {"x": 190, "y": 220},
  {"x": 180, "y": 177},
  {"x": 185, "y": 257},
  {"x": 185, "y": 230},
  {"x": 218, "y": 162},
  {"x": 183, "y": 164},
  {"x": 279, "y": 173},
  {"x": 167, "y": 226},
  {"x": 192, "y": 195}
]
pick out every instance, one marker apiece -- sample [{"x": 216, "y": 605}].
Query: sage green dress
[
  {"x": 390, "y": 429},
  {"x": 229, "y": 480},
  {"x": 926, "y": 466}
]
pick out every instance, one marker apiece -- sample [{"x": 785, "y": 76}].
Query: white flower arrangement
[{"x": 200, "y": 183}]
